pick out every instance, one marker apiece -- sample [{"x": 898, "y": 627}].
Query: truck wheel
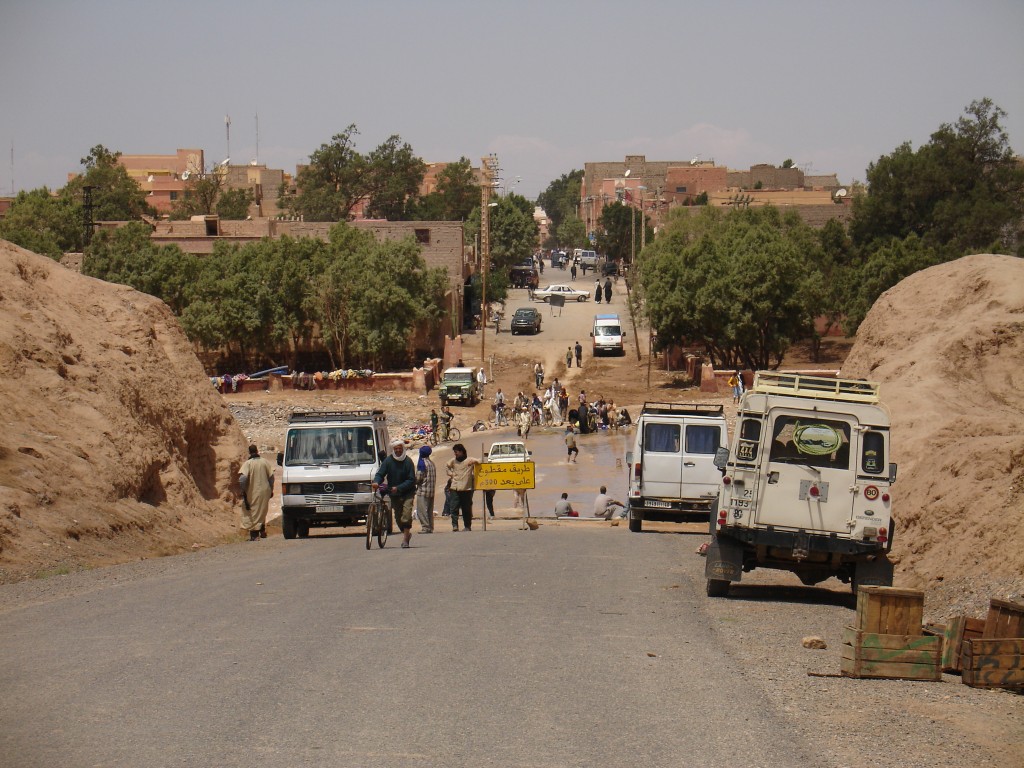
[
  {"x": 288, "y": 526},
  {"x": 636, "y": 524},
  {"x": 718, "y": 588}
]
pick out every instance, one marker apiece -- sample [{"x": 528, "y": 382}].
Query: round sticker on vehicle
[{"x": 871, "y": 492}]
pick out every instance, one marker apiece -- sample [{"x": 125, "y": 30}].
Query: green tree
[
  {"x": 560, "y": 200},
  {"x": 740, "y": 283},
  {"x": 455, "y": 198},
  {"x": 572, "y": 234},
  {"x": 43, "y": 223},
  {"x": 234, "y": 204},
  {"x": 962, "y": 192},
  {"x": 620, "y": 233},
  {"x": 116, "y": 196},
  {"x": 513, "y": 240},
  {"x": 338, "y": 177}
]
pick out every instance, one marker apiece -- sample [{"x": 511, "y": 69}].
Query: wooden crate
[
  {"x": 905, "y": 657},
  {"x": 890, "y": 611},
  {"x": 994, "y": 663},
  {"x": 958, "y": 630},
  {"x": 1005, "y": 619}
]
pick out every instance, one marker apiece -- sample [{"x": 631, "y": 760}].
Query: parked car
[
  {"x": 610, "y": 268},
  {"x": 570, "y": 293},
  {"x": 526, "y": 320}
]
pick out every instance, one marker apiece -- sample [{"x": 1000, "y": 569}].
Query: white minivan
[
  {"x": 607, "y": 335},
  {"x": 672, "y": 473}
]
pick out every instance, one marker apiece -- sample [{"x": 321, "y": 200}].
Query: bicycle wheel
[
  {"x": 371, "y": 516},
  {"x": 454, "y": 435},
  {"x": 382, "y": 524}
]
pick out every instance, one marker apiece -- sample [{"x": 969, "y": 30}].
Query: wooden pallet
[
  {"x": 1005, "y": 619},
  {"x": 958, "y": 630},
  {"x": 890, "y": 611},
  {"x": 994, "y": 663},
  {"x": 905, "y": 657}
]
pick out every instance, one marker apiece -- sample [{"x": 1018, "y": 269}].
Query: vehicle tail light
[
  {"x": 722, "y": 514},
  {"x": 726, "y": 480},
  {"x": 882, "y": 539},
  {"x": 814, "y": 492},
  {"x": 885, "y": 497},
  {"x": 638, "y": 471}
]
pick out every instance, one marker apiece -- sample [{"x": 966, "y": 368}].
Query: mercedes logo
[{"x": 328, "y": 487}]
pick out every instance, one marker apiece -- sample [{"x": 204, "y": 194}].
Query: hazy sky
[{"x": 547, "y": 86}]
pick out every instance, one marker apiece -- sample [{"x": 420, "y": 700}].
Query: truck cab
[
  {"x": 459, "y": 387},
  {"x": 805, "y": 484},
  {"x": 328, "y": 461}
]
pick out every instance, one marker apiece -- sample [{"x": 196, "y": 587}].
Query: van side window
[
  {"x": 814, "y": 442},
  {"x": 662, "y": 438},
  {"x": 872, "y": 458},
  {"x": 701, "y": 438}
]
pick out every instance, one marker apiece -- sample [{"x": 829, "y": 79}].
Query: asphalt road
[{"x": 562, "y": 647}]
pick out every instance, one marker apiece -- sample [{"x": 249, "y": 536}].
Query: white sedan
[{"x": 566, "y": 291}]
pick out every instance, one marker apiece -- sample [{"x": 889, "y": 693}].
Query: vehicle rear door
[
  {"x": 662, "y": 458},
  {"x": 807, "y": 471},
  {"x": 699, "y": 477}
]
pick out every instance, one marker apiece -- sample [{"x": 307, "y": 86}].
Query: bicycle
[
  {"x": 378, "y": 519},
  {"x": 444, "y": 434}
]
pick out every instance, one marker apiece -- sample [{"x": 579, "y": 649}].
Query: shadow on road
[{"x": 773, "y": 593}]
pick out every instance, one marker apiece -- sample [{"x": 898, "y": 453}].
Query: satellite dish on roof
[
  {"x": 694, "y": 160},
  {"x": 628, "y": 171},
  {"x": 841, "y": 192},
  {"x": 150, "y": 178},
  {"x": 185, "y": 175}
]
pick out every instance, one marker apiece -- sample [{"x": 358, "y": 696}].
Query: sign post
[{"x": 506, "y": 476}]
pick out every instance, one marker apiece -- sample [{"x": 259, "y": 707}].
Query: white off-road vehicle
[
  {"x": 672, "y": 474},
  {"x": 329, "y": 459},
  {"x": 805, "y": 485}
]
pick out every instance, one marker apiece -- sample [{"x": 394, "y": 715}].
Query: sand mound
[
  {"x": 114, "y": 445},
  {"x": 947, "y": 343}
]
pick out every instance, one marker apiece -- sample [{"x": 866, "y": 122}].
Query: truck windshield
[
  {"x": 308, "y": 446},
  {"x": 458, "y": 378},
  {"x": 812, "y": 442},
  {"x": 607, "y": 330}
]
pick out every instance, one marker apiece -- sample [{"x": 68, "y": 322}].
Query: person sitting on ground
[
  {"x": 563, "y": 508},
  {"x": 604, "y": 505}
]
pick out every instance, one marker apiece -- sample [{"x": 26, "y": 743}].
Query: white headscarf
[{"x": 394, "y": 444}]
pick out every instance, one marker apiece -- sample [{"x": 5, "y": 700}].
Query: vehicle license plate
[
  {"x": 658, "y": 504},
  {"x": 330, "y": 509}
]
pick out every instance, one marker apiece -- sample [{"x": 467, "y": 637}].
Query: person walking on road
[
  {"x": 426, "y": 479},
  {"x": 400, "y": 472},
  {"x": 460, "y": 470},
  {"x": 568, "y": 357},
  {"x": 573, "y": 271},
  {"x": 604, "y": 505},
  {"x": 571, "y": 449},
  {"x": 607, "y": 290},
  {"x": 597, "y": 291},
  {"x": 256, "y": 479},
  {"x": 579, "y": 355},
  {"x": 538, "y": 374}
]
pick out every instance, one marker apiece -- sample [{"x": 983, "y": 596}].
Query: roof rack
[
  {"x": 309, "y": 417},
  {"x": 686, "y": 409},
  {"x": 818, "y": 387}
]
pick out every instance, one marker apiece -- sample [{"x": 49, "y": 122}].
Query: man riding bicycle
[
  {"x": 446, "y": 423},
  {"x": 400, "y": 472}
]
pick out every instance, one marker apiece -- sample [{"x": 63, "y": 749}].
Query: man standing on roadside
[
  {"x": 579, "y": 355},
  {"x": 400, "y": 472},
  {"x": 256, "y": 480},
  {"x": 568, "y": 357},
  {"x": 460, "y": 471},
  {"x": 426, "y": 479}
]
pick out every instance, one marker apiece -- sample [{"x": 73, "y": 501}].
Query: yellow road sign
[{"x": 504, "y": 476}]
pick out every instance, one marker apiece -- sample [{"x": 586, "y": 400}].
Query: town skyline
[{"x": 545, "y": 87}]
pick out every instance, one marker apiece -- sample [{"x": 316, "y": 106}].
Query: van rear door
[
  {"x": 662, "y": 459},
  {"x": 700, "y": 478}
]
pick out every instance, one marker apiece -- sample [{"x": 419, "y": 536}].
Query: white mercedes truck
[
  {"x": 328, "y": 462},
  {"x": 806, "y": 484}
]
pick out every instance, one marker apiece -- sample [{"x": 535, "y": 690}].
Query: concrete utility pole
[{"x": 488, "y": 170}]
